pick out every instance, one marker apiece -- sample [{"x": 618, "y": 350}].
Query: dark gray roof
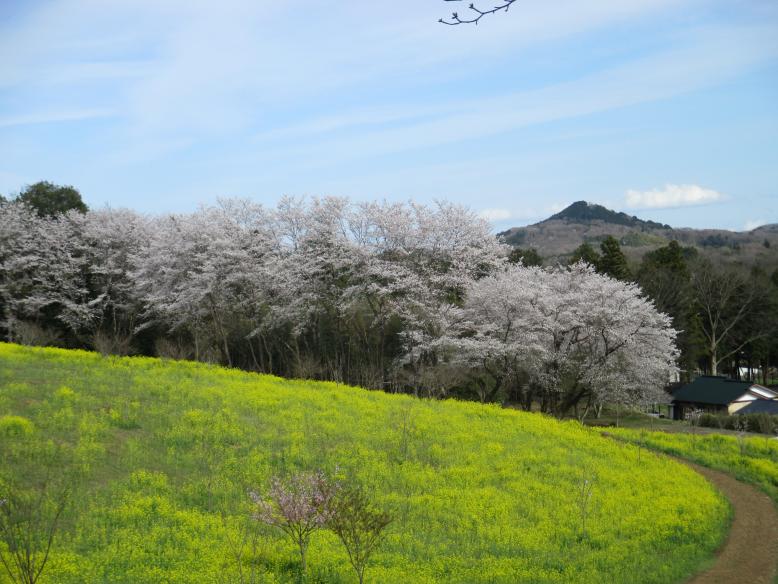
[
  {"x": 760, "y": 406},
  {"x": 708, "y": 389}
]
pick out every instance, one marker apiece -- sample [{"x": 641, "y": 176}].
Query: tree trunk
[
  {"x": 303, "y": 547},
  {"x": 714, "y": 364}
]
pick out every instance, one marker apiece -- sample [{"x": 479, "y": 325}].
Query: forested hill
[
  {"x": 560, "y": 234},
  {"x": 583, "y": 212}
]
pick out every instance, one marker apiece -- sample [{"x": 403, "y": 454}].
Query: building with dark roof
[
  {"x": 760, "y": 406},
  {"x": 718, "y": 395}
]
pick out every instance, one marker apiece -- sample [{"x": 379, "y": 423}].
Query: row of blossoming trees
[{"x": 398, "y": 296}]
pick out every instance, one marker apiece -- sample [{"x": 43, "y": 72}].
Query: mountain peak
[{"x": 585, "y": 213}]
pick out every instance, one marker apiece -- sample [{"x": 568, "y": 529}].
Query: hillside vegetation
[
  {"x": 750, "y": 459},
  {"x": 160, "y": 456}
]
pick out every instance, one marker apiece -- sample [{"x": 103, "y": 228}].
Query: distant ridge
[{"x": 555, "y": 238}]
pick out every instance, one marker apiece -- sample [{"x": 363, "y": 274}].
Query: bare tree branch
[{"x": 479, "y": 14}]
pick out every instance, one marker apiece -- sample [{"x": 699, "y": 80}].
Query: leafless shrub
[
  {"x": 641, "y": 443},
  {"x": 584, "y": 498},
  {"x": 693, "y": 417},
  {"x": 28, "y": 525},
  {"x": 169, "y": 349},
  {"x": 112, "y": 343},
  {"x": 741, "y": 425},
  {"x": 34, "y": 335},
  {"x": 359, "y": 525},
  {"x": 405, "y": 430},
  {"x": 245, "y": 542}
]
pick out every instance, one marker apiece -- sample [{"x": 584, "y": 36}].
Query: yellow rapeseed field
[{"x": 160, "y": 456}]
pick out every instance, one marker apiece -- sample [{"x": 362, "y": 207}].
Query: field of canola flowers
[
  {"x": 165, "y": 452},
  {"x": 750, "y": 459}
]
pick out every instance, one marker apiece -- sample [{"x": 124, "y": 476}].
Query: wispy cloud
[
  {"x": 672, "y": 196},
  {"x": 753, "y": 224},
  {"x": 703, "y": 61},
  {"x": 521, "y": 215},
  {"x": 495, "y": 214},
  {"x": 261, "y": 97},
  {"x": 55, "y": 117}
]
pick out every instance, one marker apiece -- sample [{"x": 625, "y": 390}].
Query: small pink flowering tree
[{"x": 298, "y": 505}]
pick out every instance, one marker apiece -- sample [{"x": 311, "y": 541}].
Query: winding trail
[{"x": 750, "y": 553}]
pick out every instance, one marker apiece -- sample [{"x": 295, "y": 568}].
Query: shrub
[
  {"x": 756, "y": 423},
  {"x": 34, "y": 335},
  {"x": 112, "y": 343},
  {"x": 11, "y": 426},
  {"x": 359, "y": 525}
]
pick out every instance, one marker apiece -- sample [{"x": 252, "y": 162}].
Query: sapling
[
  {"x": 775, "y": 432},
  {"x": 298, "y": 505},
  {"x": 28, "y": 525},
  {"x": 641, "y": 443},
  {"x": 359, "y": 525},
  {"x": 585, "y": 490},
  {"x": 693, "y": 417},
  {"x": 244, "y": 542},
  {"x": 33, "y": 498},
  {"x": 741, "y": 425}
]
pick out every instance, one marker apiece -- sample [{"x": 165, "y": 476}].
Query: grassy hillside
[
  {"x": 750, "y": 459},
  {"x": 161, "y": 456}
]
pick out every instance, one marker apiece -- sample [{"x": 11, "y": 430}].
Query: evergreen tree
[
  {"x": 586, "y": 253},
  {"x": 664, "y": 277},
  {"x": 50, "y": 200},
  {"x": 527, "y": 257},
  {"x": 613, "y": 262}
]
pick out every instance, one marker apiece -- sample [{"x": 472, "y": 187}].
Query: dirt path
[{"x": 750, "y": 553}]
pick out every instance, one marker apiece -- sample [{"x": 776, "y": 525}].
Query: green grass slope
[
  {"x": 164, "y": 453},
  {"x": 750, "y": 459}
]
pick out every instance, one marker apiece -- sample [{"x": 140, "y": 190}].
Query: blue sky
[{"x": 661, "y": 108}]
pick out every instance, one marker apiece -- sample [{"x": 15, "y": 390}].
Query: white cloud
[
  {"x": 495, "y": 214},
  {"x": 753, "y": 224},
  {"x": 672, "y": 196}
]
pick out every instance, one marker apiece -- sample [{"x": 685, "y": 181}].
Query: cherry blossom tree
[
  {"x": 298, "y": 505},
  {"x": 576, "y": 337},
  {"x": 320, "y": 288},
  {"x": 42, "y": 272},
  {"x": 110, "y": 237},
  {"x": 197, "y": 274}
]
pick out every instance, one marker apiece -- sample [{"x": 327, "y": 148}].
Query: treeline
[
  {"x": 726, "y": 316},
  {"x": 322, "y": 288},
  {"x": 394, "y": 296}
]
